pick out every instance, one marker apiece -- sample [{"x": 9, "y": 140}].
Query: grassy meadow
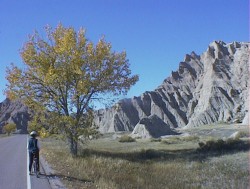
[{"x": 171, "y": 162}]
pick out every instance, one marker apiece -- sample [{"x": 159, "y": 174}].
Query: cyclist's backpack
[{"x": 33, "y": 145}]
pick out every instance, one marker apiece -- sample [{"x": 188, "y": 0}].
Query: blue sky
[{"x": 156, "y": 34}]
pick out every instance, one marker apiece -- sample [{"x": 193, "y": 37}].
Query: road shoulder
[{"x": 54, "y": 181}]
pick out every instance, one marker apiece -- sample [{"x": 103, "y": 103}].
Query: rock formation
[
  {"x": 205, "y": 89},
  {"x": 14, "y": 112},
  {"x": 152, "y": 127}
]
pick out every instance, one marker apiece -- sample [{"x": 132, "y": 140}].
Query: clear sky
[{"x": 156, "y": 34}]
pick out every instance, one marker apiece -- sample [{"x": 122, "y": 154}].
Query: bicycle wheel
[{"x": 35, "y": 167}]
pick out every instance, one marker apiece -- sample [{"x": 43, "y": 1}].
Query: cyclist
[{"x": 33, "y": 147}]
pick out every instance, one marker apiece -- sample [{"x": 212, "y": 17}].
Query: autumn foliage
[
  {"x": 9, "y": 128},
  {"x": 65, "y": 74}
]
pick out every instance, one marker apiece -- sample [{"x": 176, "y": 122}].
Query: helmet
[{"x": 33, "y": 133}]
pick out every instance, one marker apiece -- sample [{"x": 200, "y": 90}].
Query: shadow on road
[{"x": 41, "y": 176}]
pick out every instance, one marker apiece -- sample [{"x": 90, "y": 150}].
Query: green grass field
[{"x": 171, "y": 162}]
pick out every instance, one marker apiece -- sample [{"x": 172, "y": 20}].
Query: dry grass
[
  {"x": 109, "y": 164},
  {"x": 4, "y": 135}
]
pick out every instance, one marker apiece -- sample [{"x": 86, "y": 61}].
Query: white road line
[{"x": 28, "y": 176}]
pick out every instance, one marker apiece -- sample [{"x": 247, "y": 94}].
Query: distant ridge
[
  {"x": 14, "y": 112},
  {"x": 205, "y": 89}
]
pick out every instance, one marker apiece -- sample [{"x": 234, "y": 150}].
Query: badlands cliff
[
  {"x": 14, "y": 112},
  {"x": 207, "y": 88}
]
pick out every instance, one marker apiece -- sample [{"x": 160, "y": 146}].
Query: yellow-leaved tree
[
  {"x": 64, "y": 75},
  {"x": 9, "y": 128}
]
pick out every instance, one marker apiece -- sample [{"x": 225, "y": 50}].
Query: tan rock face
[
  {"x": 152, "y": 127},
  {"x": 205, "y": 89},
  {"x": 224, "y": 85}
]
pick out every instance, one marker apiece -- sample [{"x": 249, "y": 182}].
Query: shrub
[
  {"x": 190, "y": 138},
  {"x": 155, "y": 140},
  {"x": 172, "y": 140},
  {"x": 221, "y": 145},
  {"x": 166, "y": 142},
  {"x": 126, "y": 138}
]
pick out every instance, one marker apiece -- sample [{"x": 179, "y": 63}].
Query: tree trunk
[{"x": 73, "y": 146}]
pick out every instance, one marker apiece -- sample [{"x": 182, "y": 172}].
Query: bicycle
[{"x": 34, "y": 165}]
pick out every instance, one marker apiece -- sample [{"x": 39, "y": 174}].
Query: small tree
[
  {"x": 65, "y": 75},
  {"x": 9, "y": 128}
]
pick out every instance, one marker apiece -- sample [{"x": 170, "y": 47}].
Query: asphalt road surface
[{"x": 13, "y": 165}]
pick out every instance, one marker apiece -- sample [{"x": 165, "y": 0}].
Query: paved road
[{"x": 13, "y": 165}]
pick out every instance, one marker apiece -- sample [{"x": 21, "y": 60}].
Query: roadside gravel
[{"x": 54, "y": 181}]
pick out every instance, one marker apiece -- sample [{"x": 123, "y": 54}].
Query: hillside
[
  {"x": 14, "y": 112},
  {"x": 207, "y": 88}
]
